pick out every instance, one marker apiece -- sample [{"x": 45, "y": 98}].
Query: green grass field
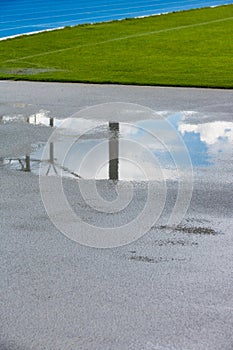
[{"x": 190, "y": 48}]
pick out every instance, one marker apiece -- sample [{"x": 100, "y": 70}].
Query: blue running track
[{"x": 18, "y": 17}]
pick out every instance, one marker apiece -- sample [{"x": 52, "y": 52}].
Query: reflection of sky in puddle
[{"x": 143, "y": 149}]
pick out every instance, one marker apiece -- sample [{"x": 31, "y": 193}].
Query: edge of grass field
[
  {"x": 116, "y": 83},
  {"x": 27, "y": 78}
]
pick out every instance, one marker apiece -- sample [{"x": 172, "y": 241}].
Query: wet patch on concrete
[
  {"x": 173, "y": 242},
  {"x": 146, "y": 259},
  {"x": 139, "y": 151},
  {"x": 154, "y": 260},
  {"x": 198, "y": 230}
]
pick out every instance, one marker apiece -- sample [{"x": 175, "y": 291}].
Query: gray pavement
[
  {"x": 165, "y": 291},
  {"x": 65, "y": 99}
]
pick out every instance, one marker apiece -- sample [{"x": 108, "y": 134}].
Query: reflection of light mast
[
  {"x": 114, "y": 151},
  {"x": 51, "y": 159},
  {"x": 27, "y": 162}
]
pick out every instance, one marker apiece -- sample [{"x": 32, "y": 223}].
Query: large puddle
[{"x": 142, "y": 150}]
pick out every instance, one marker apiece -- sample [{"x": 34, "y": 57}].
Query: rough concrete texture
[{"x": 166, "y": 291}]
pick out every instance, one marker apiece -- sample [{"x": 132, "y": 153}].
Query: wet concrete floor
[{"x": 171, "y": 288}]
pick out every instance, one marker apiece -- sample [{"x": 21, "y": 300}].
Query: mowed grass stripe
[
  {"x": 190, "y": 48},
  {"x": 123, "y": 38}
]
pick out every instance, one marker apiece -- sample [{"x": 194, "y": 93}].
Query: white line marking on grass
[{"x": 122, "y": 38}]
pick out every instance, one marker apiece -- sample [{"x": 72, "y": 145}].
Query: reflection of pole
[
  {"x": 27, "y": 166},
  {"x": 27, "y": 161},
  {"x": 51, "y": 159},
  {"x": 114, "y": 151},
  {"x": 51, "y": 122},
  {"x": 51, "y": 153}
]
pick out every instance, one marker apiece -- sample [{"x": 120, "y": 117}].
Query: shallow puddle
[{"x": 154, "y": 149}]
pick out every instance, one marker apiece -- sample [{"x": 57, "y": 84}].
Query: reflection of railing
[
  {"x": 34, "y": 120},
  {"x": 27, "y": 163}
]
